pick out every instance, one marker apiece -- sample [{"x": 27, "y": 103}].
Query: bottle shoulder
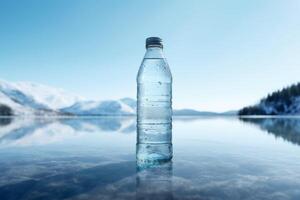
[{"x": 154, "y": 69}]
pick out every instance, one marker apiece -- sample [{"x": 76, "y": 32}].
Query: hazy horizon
[{"x": 223, "y": 55}]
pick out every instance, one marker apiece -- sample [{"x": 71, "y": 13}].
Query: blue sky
[{"x": 223, "y": 54}]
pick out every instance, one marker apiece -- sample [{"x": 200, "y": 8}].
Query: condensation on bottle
[{"x": 154, "y": 105}]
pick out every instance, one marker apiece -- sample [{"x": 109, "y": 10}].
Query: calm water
[{"x": 214, "y": 158}]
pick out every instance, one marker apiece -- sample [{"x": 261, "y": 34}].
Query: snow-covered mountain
[
  {"x": 282, "y": 102},
  {"x": 100, "y": 108},
  {"x": 129, "y": 101},
  {"x": 15, "y": 107},
  {"x": 25, "y": 98},
  {"x": 38, "y": 96}
]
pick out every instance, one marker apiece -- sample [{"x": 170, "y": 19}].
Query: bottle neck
[{"x": 154, "y": 52}]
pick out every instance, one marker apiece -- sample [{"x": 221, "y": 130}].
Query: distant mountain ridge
[
  {"x": 282, "y": 102},
  {"x": 191, "y": 112},
  {"x": 25, "y": 98},
  {"x": 37, "y": 95},
  {"x": 111, "y": 107}
]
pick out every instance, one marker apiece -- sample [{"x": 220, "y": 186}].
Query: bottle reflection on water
[
  {"x": 154, "y": 181},
  {"x": 154, "y": 106}
]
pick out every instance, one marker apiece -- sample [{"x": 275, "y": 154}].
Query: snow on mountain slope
[
  {"x": 100, "y": 108},
  {"x": 38, "y": 96},
  {"x": 285, "y": 101},
  {"x": 36, "y": 99},
  {"x": 17, "y": 108},
  {"x": 130, "y": 102},
  {"x": 18, "y": 96}
]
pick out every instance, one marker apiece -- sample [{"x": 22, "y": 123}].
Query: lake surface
[{"x": 94, "y": 158}]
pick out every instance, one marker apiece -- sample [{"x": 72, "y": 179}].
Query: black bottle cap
[{"x": 154, "y": 41}]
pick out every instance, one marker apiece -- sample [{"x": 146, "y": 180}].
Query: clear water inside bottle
[{"x": 154, "y": 107}]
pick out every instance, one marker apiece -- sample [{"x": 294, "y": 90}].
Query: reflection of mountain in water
[
  {"x": 29, "y": 131},
  {"x": 286, "y": 128},
  {"x": 40, "y": 131},
  {"x": 5, "y": 121}
]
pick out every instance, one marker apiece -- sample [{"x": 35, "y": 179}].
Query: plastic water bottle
[{"x": 154, "y": 105}]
